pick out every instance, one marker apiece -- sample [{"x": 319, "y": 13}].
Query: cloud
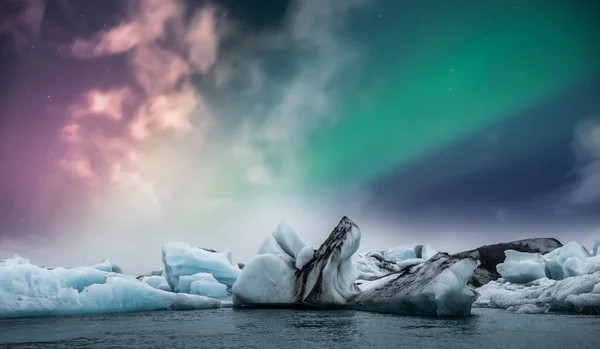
[
  {"x": 146, "y": 23},
  {"x": 159, "y": 99},
  {"x": 202, "y": 136},
  {"x": 21, "y": 19},
  {"x": 586, "y": 145}
]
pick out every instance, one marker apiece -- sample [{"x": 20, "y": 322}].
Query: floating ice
[
  {"x": 556, "y": 261},
  {"x": 522, "y": 267},
  {"x": 436, "y": 287},
  {"x": 203, "y": 284},
  {"x": 563, "y": 262},
  {"x": 180, "y": 260},
  {"x": 328, "y": 279},
  {"x": 489, "y": 256},
  {"x": 410, "y": 252},
  {"x": 158, "y": 282},
  {"x": 108, "y": 267},
  {"x": 579, "y": 294},
  {"x": 28, "y": 290}
]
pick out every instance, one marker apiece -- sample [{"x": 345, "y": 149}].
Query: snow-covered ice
[
  {"x": 574, "y": 294},
  {"x": 180, "y": 259},
  {"x": 28, "y": 290}
]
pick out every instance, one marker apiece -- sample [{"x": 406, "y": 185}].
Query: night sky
[{"x": 126, "y": 124}]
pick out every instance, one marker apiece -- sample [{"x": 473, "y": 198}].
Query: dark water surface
[{"x": 279, "y": 328}]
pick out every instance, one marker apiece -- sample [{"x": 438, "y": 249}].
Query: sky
[{"x": 128, "y": 124}]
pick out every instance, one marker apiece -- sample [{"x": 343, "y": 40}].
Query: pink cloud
[
  {"x": 162, "y": 62},
  {"x": 156, "y": 69},
  {"x": 78, "y": 168},
  {"x": 202, "y": 40},
  {"x": 146, "y": 23},
  {"x": 166, "y": 112},
  {"x": 107, "y": 103}
]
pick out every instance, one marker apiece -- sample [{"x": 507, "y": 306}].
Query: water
[{"x": 279, "y": 328}]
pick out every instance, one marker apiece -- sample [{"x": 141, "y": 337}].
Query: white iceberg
[
  {"x": 489, "y": 256},
  {"x": 108, "y": 267},
  {"x": 579, "y": 294},
  {"x": 410, "y": 252},
  {"x": 566, "y": 261},
  {"x": 374, "y": 265},
  {"x": 180, "y": 260},
  {"x": 203, "y": 284},
  {"x": 28, "y": 290},
  {"x": 329, "y": 279},
  {"x": 157, "y": 282},
  {"x": 522, "y": 267}
]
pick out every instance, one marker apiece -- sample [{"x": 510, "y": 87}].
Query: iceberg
[
  {"x": 108, "y": 267},
  {"x": 156, "y": 281},
  {"x": 374, "y": 265},
  {"x": 437, "y": 286},
  {"x": 28, "y": 290},
  {"x": 522, "y": 267},
  {"x": 564, "y": 262},
  {"x": 410, "y": 252},
  {"x": 180, "y": 259},
  {"x": 489, "y": 256},
  {"x": 203, "y": 284},
  {"x": 580, "y": 294}
]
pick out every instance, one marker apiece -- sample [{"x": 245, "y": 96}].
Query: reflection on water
[{"x": 281, "y": 328}]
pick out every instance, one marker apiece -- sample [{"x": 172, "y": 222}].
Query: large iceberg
[
  {"x": 28, "y": 290},
  {"x": 329, "y": 279},
  {"x": 180, "y": 259}
]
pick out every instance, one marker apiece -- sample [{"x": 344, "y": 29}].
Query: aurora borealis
[{"x": 138, "y": 123}]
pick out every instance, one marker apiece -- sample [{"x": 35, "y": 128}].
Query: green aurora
[{"x": 479, "y": 65}]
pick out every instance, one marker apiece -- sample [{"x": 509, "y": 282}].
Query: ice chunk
[
  {"x": 304, "y": 256},
  {"x": 108, "y": 267},
  {"x": 555, "y": 261},
  {"x": 522, "y": 267},
  {"x": 208, "y": 288},
  {"x": 180, "y": 260},
  {"x": 410, "y": 252},
  {"x": 579, "y": 294},
  {"x": 402, "y": 252},
  {"x": 288, "y": 239},
  {"x": 490, "y": 256},
  {"x": 157, "y": 281},
  {"x": 28, "y": 290},
  {"x": 436, "y": 287},
  {"x": 373, "y": 265},
  {"x": 266, "y": 279},
  {"x": 203, "y": 284},
  {"x": 427, "y": 252}
]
